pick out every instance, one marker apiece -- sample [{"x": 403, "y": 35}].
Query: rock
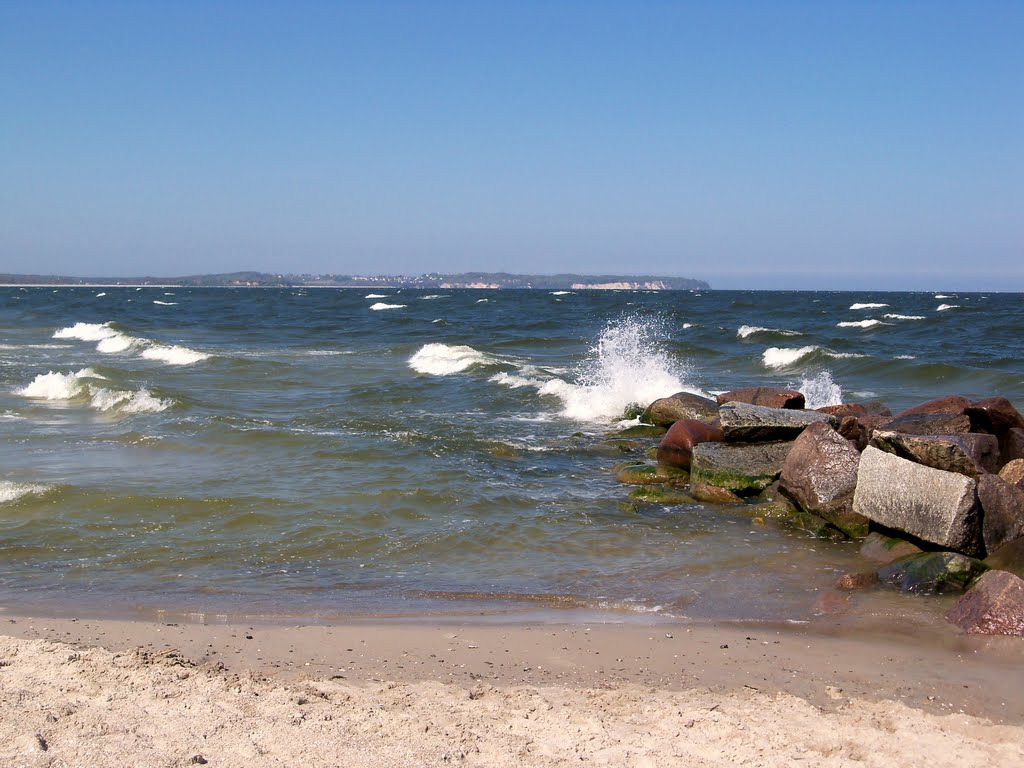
[
  {"x": 967, "y": 454},
  {"x": 846, "y": 409},
  {"x": 928, "y": 572},
  {"x": 951, "y": 404},
  {"x": 885, "y": 549},
  {"x": 682, "y": 405},
  {"x": 993, "y": 606},
  {"x": 769, "y": 397},
  {"x": 859, "y": 429},
  {"x": 877, "y": 408},
  {"x": 1013, "y": 472},
  {"x": 931, "y": 504},
  {"x": 930, "y": 424},
  {"x": 742, "y": 469},
  {"x": 1012, "y": 445},
  {"x": 746, "y": 423},
  {"x": 856, "y": 581},
  {"x": 639, "y": 430},
  {"x": 1009, "y": 557},
  {"x": 660, "y": 494},
  {"x": 713, "y": 495},
  {"x": 820, "y": 475},
  {"x": 641, "y": 473},
  {"x": 995, "y": 415},
  {"x": 676, "y": 447},
  {"x": 1002, "y": 507},
  {"x": 779, "y": 509}
]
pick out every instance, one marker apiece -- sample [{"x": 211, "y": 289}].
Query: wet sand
[{"x": 104, "y": 692}]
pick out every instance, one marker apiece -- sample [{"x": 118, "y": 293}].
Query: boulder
[
  {"x": 931, "y": 504},
  {"x": 676, "y": 447},
  {"x": 1013, "y": 472},
  {"x": 769, "y": 397},
  {"x": 995, "y": 415},
  {"x": 885, "y": 549},
  {"x": 820, "y": 475},
  {"x": 742, "y": 469},
  {"x": 1002, "y": 507},
  {"x": 928, "y": 572},
  {"x": 682, "y": 405},
  {"x": 661, "y": 494},
  {"x": 967, "y": 454},
  {"x": 993, "y": 606},
  {"x": 877, "y": 408},
  {"x": 1012, "y": 445},
  {"x": 930, "y": 424},
  {"x": 1009, "y": 557},
  {"x": 711, "y": 494},
  {"x": 850, "y": 582},
  {"x": 639, "y": 430},
  {"x": 641, "y": 473},
  {"x": 954, "y": 404},
  {"x": 844, "y": 409},
  {"x": 859, "y": 429},
  {"x": 746, "y": 423}
]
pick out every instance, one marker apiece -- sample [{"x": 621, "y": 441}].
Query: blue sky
[{"x": 753, "y": 144}]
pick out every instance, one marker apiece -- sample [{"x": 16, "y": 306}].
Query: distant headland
[{"x": 494, "y": 280}]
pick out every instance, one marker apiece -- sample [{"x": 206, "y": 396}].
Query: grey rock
[
  {"x": 930, "y": 424},
  {"x": 931, "y": 504},
  {"x": 682, "y": 405},
  {"x": 746, "y": 423},
  {"x": 929, "y": 572},
  {"x": 993, "y": 606},
  {"x": 966, "y": 454},
  {"x": 820, "y": 475},
  {"x": 1002, "y": 507},
  {"x": 742, "y": 469},
  {"x": 1013, "y": 445},
  {"x": 885, "y": 549}
]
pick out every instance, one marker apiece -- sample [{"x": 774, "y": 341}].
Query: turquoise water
[{"x": 324, "y": 452}]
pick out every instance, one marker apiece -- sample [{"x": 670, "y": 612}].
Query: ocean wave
[
  {"x": 869, "y": 323},
  {"x": 375, "y": 296},
  {"x": 745, "y": 331},
  {"x": 944, "y": 307},
  {"x": 68, "y": 387},
  {"x": 86, "y": 332},
  {"x": 11, "y": 491},
  {"x": 941, "y": 296},
  {"x": 165, "y": 303},
  {"x": 444, "y": 359},
  {"x": 563, "y": 293},
  {"x": 820, "y": 390},
  {"x": 904, "y": 317},
  {"x": 482, "y": 301},
  {"x": 174, "y": 355},
  {"x": 139, "y": 401},
  {"x": 868, "y": 306},
  {"x": 58, "y": 386},
  {"x": 786, "y": 357},
  {"x": 434, "y": 296},
  {"x": 118, "y": 342},
  {"x": 101, "y": 294},
  {"x": 381, "y": 305}
]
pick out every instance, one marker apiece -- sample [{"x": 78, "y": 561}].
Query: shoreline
[{"x": 104, "y": 692}]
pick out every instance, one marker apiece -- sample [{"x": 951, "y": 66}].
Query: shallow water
[{"x": 325, "y": 452}]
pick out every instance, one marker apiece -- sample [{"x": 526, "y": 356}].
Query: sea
[{"x": 323, "y": 454}]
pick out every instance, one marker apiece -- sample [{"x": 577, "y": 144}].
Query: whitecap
[
  {"x": 86, "y": 332},
  {"x": 904, "y": 317},
  {"x": 482, "y": 301},
  {"x": 58, "y": 386},
  {"x": 165, "y": 303},
  {"x": 563, "y": 293},
  {"x": 140, "y": 401},
  {"x": 868, "y": 306},
  {"x": 944, "y": 307},
  {"x": 870, "y": 323},
  {"x": 433, "y": 296},
  {"x": 11, "y": 491},
  {"x": 101, "y": 294},
  {"x": 380, "y": 305},
  {"x": 783, "y": 357},
  {"x": 821, "y": 390},
  {"x": 905, "y": 357},
  {"x": 444, "y": 359},
  {"x": 174, "y": 355},
  {"x": 375, "y": 296},
  {"x": 687, "y": 326},
  {"x": 941, "y": 296},
  {"x": 745, "y": 331},
  {"x": 118, "y": 342}
]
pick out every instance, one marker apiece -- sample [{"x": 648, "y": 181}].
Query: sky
[{"x": 763, "y": 144}]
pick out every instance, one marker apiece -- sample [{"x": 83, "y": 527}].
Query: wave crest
[{"x": 444, "y": 359}]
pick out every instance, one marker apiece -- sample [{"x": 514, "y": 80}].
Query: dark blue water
[{"x": 322, "y": 452}]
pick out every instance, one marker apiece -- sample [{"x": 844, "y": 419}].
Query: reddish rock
[
  {"x": 676, "y": 447},
  {"x": 951, "y": 404},
  {"x": 682, "y": 405},
  {"x": 712, "y": 494},
  {"x": 876, "y": 408},
  {"x": 1012, "y": 445},
  {"x": 859, "y": 429},
  {"x": 1013, "y": 472},
  {"x": 1002, "y": 507},
  {"x": 930, "y": 424},
  {"x": 995, "y": 415},
  {"x": 769, "y": 397},
  {"x": 850, "y": 582},
  {"x": 847, "y": 409},
  {"x": 993, "y": 606}
]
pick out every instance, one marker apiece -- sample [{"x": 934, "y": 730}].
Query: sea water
[{"x": 324, "y": 452}]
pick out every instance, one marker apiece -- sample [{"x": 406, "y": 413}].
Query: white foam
[
  {"x": 101, "y": 294},
  {"x": 58, "y": 386},
  {"x": 944, "y": 307},
  {"x": 433, "y": 296},
  {"x": 119, "y": 342},
  {"x": 380, "y": 305},
  {"x": 165, "y": 303},
  {"x": 904, "y": 317},
  {"x": 375, "y": 296},
  {"x": 10, "y": 491},
  {"x": 905, "y": 357},
  {"x": 174, "y": 355},
  {"x": 140, "y": 401},
  {"x": 783, "y": 357},
  {"x": 868, "y": 306},
  {"x": 821, "y": 390},
  {"x": 870, "y": 323},
  {"x": 745, "y": 331},
  {"x": 86, "y": 332},
  {"x": 687, "y": 326},
  {"x": 482, "y": 301},
  {"x": 941, "y": 296},
  {"x": 563, "y": 293},
  {"x": 444, "y": 359}
]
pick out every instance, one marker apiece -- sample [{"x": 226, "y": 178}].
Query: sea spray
[{"x": 820, "y": 390}]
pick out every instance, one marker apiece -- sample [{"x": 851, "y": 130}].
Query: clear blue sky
[{"x": 754, "y": 144}]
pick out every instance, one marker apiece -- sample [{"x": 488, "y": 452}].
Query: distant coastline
[{"x": 442, "y": 281}]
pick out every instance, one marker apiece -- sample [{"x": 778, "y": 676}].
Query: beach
[{"x": 372, "y": 693}]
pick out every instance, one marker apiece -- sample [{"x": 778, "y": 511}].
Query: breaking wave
[
  {"x": 904, "y": 317},
  {"x": 745, "y": 331},
  {"x": 868, "y": 306},
  {"x": 111, "y": 341},
  {"x": 174, "y": 355},
  {"x": 11, "y": 491},
  {"x": 944, "y": 307},
  {"x": 786, "y": 357},
  {"x": 444, "y": 359},
  {"x": 381, "y": 305},
  {"x": 870, "y": 323},
  {"x": 79, "y": 386}
]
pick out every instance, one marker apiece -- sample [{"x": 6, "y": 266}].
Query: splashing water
[{"x": 821, "y": 390}]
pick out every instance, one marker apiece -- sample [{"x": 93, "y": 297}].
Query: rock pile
[{"x": 936, "y": 492}]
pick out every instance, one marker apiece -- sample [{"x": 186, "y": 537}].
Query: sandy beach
[{"x": 81, "y": 692}]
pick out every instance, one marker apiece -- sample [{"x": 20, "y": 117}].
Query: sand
[{"x": 373, "y": 693}]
